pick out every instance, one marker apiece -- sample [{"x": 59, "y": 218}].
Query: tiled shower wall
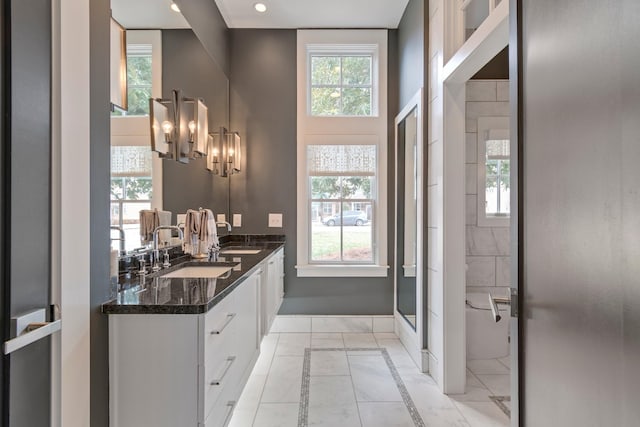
[{"x": 487, "y": 247}]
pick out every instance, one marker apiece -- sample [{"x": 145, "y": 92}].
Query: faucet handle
[
  {"x": 142, "y": 270},
  {"x": 166, "y": 263}
]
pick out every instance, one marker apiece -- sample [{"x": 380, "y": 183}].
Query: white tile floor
[{"x": 349, "y": 388}]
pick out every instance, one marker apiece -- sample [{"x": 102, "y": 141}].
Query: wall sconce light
[
  {"x": 179, "y": 127},
  {"x": 224, "y": 153},
  {"x": 162, "y": 129}
]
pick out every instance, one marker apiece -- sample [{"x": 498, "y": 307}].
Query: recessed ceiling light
[
  {"x": 175, "y": 7},
  {"x": 260, "y": 7}
]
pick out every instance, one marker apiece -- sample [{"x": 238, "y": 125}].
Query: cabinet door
[{"x": 247, "y": 339}]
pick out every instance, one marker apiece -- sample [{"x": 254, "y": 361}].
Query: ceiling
[
  {"x": 147, "y": 14},
  {"x": 154, "y": 14},
  {"x": 313, "y": 13}
]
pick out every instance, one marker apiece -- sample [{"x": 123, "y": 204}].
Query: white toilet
[{"x": 486, "y": 339}]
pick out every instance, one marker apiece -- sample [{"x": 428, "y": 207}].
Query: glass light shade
[{"x": 162, "y": 128}]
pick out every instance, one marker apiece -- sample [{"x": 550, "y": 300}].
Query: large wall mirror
[
  {"x": 163, "y": 53},
  {"x": 409, "y": 248}
]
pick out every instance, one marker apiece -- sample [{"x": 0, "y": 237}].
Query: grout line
[{"x": 353, "y": 386}]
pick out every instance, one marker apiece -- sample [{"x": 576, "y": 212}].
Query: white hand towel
[
  {"x": 191, "y": 232},
  {"x": 208, "y": 233},
  {"x": 149, "y": 220}
]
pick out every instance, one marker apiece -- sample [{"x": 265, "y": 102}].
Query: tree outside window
[{"x": 341, "y": 85}]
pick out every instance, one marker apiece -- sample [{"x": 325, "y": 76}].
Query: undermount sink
[
  {"x": 205, "y": 271},
  {"x": 235, "y": 251}
]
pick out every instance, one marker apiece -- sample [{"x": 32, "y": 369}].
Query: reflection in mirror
[
  {"x": 407, "y": 214},
  {"x": 163, "y": 53}
]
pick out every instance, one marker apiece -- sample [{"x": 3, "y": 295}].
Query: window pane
[
  {"x": 357, "y": 187},
  {"x": 325, "y": 101},
  {"x": 117, "y": 188},
  {"x": 139, "y": 70},
  {"x": 325, "y": 237},
  {"x": 138, "y": 189},
  {"x": 357, "y": 234},
  {"x": 325, "y": 70},
  {"x": 505, "y": 199},
  {"x": 356, "y": 101},
  {"x": 138, "y": 99},
  {"x": 115, "y": 214},
  {"x": 356, "y": 70},
  {"x": 492, "y": 167},
  {"x": 325, "y": 187}
]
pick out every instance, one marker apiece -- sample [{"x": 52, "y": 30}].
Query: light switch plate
[
  {"x": 221, "y": 218},
  {"x": 275, "y": 220},
  {"x": 237, "y": 220}
]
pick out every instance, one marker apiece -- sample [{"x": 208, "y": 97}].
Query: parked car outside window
[{"x": 347, "y": 218}]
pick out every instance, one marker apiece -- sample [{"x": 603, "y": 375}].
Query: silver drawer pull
[
  {"x": 230, "y": 317},
  {"x": 230, "y": 359},
  {"x": 230, "y": 406}
]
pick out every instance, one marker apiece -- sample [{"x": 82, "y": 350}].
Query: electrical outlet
[
  {"x": 275, "y": 220},
  {"x": 221, "y": 218},
  {"x": 237, "y": 220}
]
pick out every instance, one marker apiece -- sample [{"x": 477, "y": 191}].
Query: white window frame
[
  {"x": 134, "y": 130},
  {"x": 488, "y": 126},
  {"x": 343, "y": 50},
  {"x": 343, "y": 130}
]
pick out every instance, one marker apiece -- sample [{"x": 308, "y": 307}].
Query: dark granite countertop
[{"x": 161, "y": 295}]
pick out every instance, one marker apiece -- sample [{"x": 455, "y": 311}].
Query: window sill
[{"x": 342, "y": 270}]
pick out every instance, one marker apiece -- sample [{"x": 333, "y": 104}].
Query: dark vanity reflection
[{"x": 406, "y": 246}]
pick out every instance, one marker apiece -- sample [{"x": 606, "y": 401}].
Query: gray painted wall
[
  {"x": 208, "y": 24},
  {"x": 99, "y": 225},
  {"x": 263, "y": 110},
  {"x": 186, "y": 65},
  {"x": 412, "y": 50}
]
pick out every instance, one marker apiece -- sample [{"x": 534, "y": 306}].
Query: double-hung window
[
  {"x": 342, "y": 146},
  {"x": 136, "y": 175}
]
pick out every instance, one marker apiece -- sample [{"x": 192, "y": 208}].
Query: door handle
[
  {"x": 31, "y": 327},
  {"x": 36, "y": 331}
]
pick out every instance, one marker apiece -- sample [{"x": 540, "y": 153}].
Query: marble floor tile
[
  {"x": 391, "y": 344},
  {"x": 486, "y": 366},
  {"x": 284, "y": 380},
  {"x": 292, "y": 344},
  {"x": 341, "y": 324},
  {"x": 243, "y": 417},
  {"x": 384, "y": 414},
  {"x": 329, "y": 363},
  {"x": 332, "y": 401},
  {"x": 443, "y": 418},
  {"x": 334, "y": 390},
  {"x": 483, "y": 414},
  {"x": 267, "y": 350},
  {"x": 475, "y": 392},
  {"x": 403, "y": 362},
  {"x": 342, "y": 415},
  {"x": 291, "y": 324},
  {"x": 276, "y": 415},
  {"x": 506, "y": 361},
  {"x": 385, "y": 336},
  {"x": 498, "y": 385},
  {"x": 363, "y": 340},
  {"x": 425, "y": 394},
  {"x": 319, "y": 342},
  {"x": 372, "y": 379},
  {"x": 252, "y": 392}
]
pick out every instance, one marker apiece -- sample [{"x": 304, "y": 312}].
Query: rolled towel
[
  {"x": 191, "y": 232},
  {"x": 149, "y": 220}
]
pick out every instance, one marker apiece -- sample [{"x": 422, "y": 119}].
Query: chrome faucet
[
  {"x": 121, "y": 239},
  {"x": 224, "y": 223},
  {"x": 156, "y": 252}
]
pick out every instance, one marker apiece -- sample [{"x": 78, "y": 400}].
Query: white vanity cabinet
[
  {"x": 272, "y": 290},
  {"x": 169, "y": 370}
]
